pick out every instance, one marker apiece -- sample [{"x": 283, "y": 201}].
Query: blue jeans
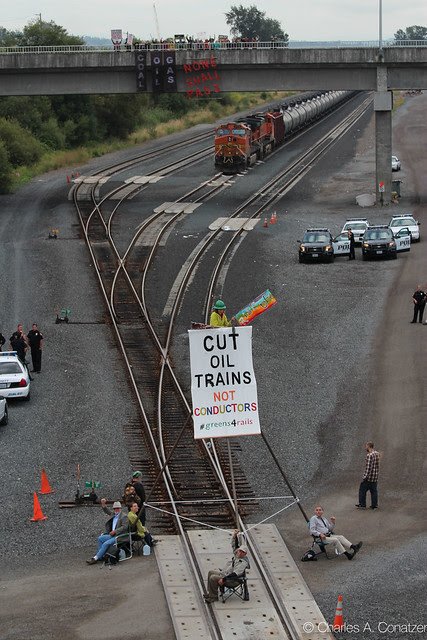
[
  {"x": 366, "y": 486},
  {"x": 104, "y": 542}
]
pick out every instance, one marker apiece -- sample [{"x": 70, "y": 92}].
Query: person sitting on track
[
  {"x": 115, "y": 526},
  {"x": 139, "y": 532},
  {"x": 218, "y": 317},
  {"x": 234, "y": 569},
  {"x": 321, "y": 528}
]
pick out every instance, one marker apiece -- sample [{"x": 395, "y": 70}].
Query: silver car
[{"x": 4, "y": 415}]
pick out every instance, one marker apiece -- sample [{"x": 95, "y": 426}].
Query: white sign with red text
[{"x": 223, "y": 385}]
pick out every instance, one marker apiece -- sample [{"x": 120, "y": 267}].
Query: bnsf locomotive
[{"x": 240, "y": 144}]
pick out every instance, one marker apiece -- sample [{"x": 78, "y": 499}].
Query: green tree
[
  {"x": 250, "y": 22},
  {"x": 5, "y": 170},
  {"x": 48, "y": 34},
  {"x": 416, "y": 32},
  {"x": 22, "y": 147}
]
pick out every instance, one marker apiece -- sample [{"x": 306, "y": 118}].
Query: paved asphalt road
[{"x": 340, "y": 364}]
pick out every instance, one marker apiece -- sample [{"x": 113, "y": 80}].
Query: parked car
[
  {"x": 379, "y": 242},
  {"x": 14, "y": 376},
  {"x": 403, "y": 220},
  {"x": 4, "y": 415},
  {"x": 316, "y": 246},
  {"x": 395, "y": 163},
  {"x": 358, "y": 227}
]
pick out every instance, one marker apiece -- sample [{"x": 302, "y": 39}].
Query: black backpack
[{"x": 309, "y": 555}]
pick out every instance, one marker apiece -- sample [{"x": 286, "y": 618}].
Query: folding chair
[
  {"x": 123, "y": 544},
  {"x": 234, "y": 586},
  {"x": 321, "y": 544}
]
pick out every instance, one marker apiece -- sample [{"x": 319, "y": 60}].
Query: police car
[
  {"x": 316, "y": 246},
  {"x": 4, "y": 416},
  {"x": 358, "y": 227},
  {"x": 14, "y": 376},
  {"x": 405, "y": 220},
  {"x": 341, "y": 244},
  {"x": 379, "y": 242}
]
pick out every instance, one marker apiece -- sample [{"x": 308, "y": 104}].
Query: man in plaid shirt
[{"x": 370, "y": 478}]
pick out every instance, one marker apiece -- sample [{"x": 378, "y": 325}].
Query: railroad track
[{"x": 189, "y": 481}]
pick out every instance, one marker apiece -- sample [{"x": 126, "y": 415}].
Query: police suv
[
  {"x": 316, "y": 246},
  {"x": 14, "y": 376},
  {"x": 379, "y": 242}
]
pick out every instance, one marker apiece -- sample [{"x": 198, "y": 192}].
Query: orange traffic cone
[
  {"x": 77, "y": 174},
  {"x": 265, "y": 223},
  {"x": 338, "y": 622},
  {"x": 275, "y": 217},
  {"x": 38, "y": 513},
  {"x": 45, "y": 484},
  {"x": 272, "y": 219},
  {"x": 68, "y": 179}
]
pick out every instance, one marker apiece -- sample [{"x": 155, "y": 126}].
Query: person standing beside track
[
  {"x": 35, "y": 341},
  {"x": 370, "y": 478},
  {"x": 2, "y": 340},
  {"x": 218, "y": 317}
]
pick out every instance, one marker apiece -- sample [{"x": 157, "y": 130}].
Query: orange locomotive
[{"x": 240, "y": 144}]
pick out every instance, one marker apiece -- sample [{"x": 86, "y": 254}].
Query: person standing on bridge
[{"x": 218, "y": 317}]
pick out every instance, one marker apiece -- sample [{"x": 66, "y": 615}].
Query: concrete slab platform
[
  {"x": 234, "y": 224},
  {"x": 251, "y": 620}
]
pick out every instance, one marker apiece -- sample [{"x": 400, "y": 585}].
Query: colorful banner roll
[{"x": 263, "y": 302}]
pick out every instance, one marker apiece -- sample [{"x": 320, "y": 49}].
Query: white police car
[
  {"x": 403, "y": 220},
  {"x": 14, "y": 376},
  {"x": 4, "y": 416},
  {"x": 358, "y": 227},
  {"x": 395, "y": 163},
  {"x": 341, "y": 244}
]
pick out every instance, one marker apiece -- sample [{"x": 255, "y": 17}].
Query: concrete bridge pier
[{"x": 383, "y": 105}]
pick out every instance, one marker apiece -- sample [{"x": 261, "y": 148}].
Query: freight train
[{"x": 240, "y": 144}]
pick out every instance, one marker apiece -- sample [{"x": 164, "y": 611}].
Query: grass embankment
[{"x": 157, "y": 123}]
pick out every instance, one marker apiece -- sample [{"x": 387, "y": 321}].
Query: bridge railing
[{"x": 210, "y": 46}]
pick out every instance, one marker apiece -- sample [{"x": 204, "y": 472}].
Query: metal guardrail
[{"x": 211, "y": 46}]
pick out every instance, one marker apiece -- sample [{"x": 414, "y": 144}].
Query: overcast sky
[{"x": 306, "y": 20}]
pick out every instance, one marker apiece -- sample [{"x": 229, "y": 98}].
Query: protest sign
[
  {"x": 223, "y": 385},
  {"x": 263, "y": 302}
]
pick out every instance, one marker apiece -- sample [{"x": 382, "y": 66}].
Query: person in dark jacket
[
  {"x": 35, "y": 341},
  {"x": 2, "y": 340},
  {"x": 139, "y": 489},
  {"x": 115, "y": 526},
  {"x": 352, "y": 245},
  {"x": 419, "y": 300},
  {"x": 18, "y": 343}
]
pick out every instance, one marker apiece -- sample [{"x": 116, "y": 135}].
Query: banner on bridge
[{"x": 223, "y": 385}]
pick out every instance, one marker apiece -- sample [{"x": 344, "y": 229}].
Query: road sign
[{"x": 381, "y": 187}]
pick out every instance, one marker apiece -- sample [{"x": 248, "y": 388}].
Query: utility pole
[
  {"x": 156, "y": 21},
  {"x": 40, "y": 17}
]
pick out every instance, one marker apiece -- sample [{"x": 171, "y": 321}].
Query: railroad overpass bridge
[{"x": 202, "y": 72}]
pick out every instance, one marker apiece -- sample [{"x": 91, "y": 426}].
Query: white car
[
  {"x": 14, "y": 376},
  {"x": 395, "y": 163},
  {"x": 4, "y": 415},
  {"x": 403, "y": 220},
  {"x": 358, "y": 227}
]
